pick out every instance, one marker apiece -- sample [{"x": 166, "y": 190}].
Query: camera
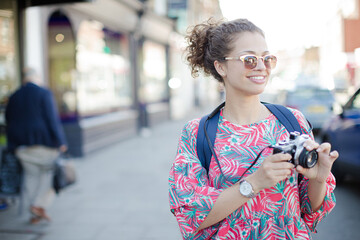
[{"x": 294, "y": 146}]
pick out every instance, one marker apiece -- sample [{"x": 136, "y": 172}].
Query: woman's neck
[{"x": 244, "y": 111}]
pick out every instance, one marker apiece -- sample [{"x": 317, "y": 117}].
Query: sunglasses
[{"x": 251, "y": 61}]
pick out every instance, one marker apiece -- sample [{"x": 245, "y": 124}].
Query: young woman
[{"x": 213, "y": 206}]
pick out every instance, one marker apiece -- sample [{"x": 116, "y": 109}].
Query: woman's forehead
[{"x": 249, "y": 43}]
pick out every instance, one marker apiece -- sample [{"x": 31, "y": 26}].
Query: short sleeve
[{"x": 190, "y": 194}]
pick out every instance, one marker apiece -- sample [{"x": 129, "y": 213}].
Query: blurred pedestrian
[
  {"x": 35, "y": 134},
  {"x": 267, "y": 202}
]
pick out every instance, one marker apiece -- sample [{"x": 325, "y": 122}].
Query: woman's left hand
[{"x": 321, "y": 170}]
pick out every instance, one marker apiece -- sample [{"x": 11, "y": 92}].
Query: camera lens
[{"x": 308, "y": 159}]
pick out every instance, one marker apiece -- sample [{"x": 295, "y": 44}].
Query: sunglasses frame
[{"x": 242, "y": 58}]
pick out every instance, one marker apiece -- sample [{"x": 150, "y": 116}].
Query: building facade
[{"x": 108, "y": 63}]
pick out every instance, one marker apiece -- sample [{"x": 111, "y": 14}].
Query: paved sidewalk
[{"x": 121, "y": 193}]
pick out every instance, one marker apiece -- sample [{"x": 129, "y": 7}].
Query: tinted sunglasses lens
[
  {"x": 250, "y": 62},
  {"x": 270, "y": 61}
]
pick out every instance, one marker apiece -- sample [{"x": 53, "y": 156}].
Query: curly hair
[{"x": 212, "y": 40}]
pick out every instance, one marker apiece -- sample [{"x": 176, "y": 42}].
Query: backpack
[{"x": 205, "y": 152}]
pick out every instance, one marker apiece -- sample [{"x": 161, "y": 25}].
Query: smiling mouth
[{"x": 258, "y": 79}]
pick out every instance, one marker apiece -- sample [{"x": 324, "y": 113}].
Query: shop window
[
  {"x": 103, "y": 67},
  {"x": 9, "y": 80},
  {"x": 62, "y": 65},
  {"x": 153, "y": 78}
]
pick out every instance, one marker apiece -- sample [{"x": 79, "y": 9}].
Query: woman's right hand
[{"x": 274, "y": 169}]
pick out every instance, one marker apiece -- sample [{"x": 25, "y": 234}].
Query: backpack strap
[
  {"x": 285, "y": 116},
  {"x": 209, "y": 123}
]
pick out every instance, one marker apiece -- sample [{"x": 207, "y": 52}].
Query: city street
[
  {"x": 343, "y": 222},
  {"x": 101, "y": 79},
  {"x": 122, "y": 193}
]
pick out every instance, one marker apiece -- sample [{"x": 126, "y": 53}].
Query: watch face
[{"x": 245, "y": 188}]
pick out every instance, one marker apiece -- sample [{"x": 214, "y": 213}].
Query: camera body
[{"x": 295, "y": 147}]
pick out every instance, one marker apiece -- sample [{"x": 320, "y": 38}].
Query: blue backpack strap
[
  {"x": 202, "y": 147},
  {"x": 285, "y": 116},
  {"x": 201, "y": 142}
]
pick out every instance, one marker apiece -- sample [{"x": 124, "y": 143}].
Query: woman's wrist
[
  {"x": 317, "y": 181},
  {"x": 316, "y": 193},
  {"x": 252, "y": 180}
]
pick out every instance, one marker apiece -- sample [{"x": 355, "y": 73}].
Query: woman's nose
[{"x": 260, "y": 65}]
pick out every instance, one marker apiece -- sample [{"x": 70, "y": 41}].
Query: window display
[
  {"x": 9, "y": 80},
  {"x": 103, "y": 70},
  {"x": 62, "y": 65},
  {"x": 153, "y": 78},
  {"x": 8, "y": 77}
]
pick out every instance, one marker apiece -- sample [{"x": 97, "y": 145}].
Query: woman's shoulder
[
  {"x": 297, "y": 113},
  {"x": 189, "y": 131},
  {"x": 301, "y": 118},
  {"x": 192, "y": 125}
]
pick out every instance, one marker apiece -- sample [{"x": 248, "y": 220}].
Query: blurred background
[{"x": 117, "y": 70}]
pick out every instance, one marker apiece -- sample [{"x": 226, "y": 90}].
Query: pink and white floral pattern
[{"x": 280, "y": 212}]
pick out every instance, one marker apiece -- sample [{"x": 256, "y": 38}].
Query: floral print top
[{"x": 280, "y": 212}]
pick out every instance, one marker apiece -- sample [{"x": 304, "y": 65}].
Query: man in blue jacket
[{"x": 35, "y": 134}]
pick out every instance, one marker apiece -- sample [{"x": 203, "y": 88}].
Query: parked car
[
  {"x": 343, "y": 132},
  {"x": 314, "y": 102}
]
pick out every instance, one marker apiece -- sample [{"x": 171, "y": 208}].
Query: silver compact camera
[{"x": 294, "y": 146}]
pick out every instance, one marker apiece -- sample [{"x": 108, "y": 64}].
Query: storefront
[
  {"x": 108, "y": 73},
  {"x": 105, "y": 61},
  {"x": 153, "y": 91},
  {"x": 9, "y": 57},
  {"x": 89, "y": 71}
]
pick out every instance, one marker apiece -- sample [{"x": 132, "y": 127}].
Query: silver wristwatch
[{"x": 246, "y": 189}]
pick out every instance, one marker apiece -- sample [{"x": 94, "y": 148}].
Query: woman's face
[{"x": 237, "y": 78}]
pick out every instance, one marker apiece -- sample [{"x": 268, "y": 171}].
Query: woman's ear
[{"x": 220, "y": 68}]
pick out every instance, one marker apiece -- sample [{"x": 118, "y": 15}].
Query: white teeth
[{"x": 257, "y": 78}]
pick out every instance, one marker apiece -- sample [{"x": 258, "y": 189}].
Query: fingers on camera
[
  {"x": 310, "y": 145},
  {"x": 334, "y": 155}
]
